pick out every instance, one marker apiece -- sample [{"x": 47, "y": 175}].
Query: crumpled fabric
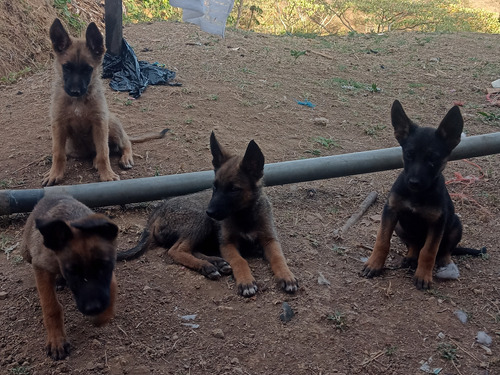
[
  {"x": 129, "y": 74},
  {"x": 209, "y": 15}
]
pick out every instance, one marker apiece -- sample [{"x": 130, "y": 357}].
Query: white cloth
[{"x": 209, "y": 15}]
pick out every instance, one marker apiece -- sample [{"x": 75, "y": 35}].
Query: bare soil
[{"x": 245, "y": 87}]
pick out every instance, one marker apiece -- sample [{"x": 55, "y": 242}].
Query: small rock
[
  {"x": 450, "y": 271},
  {"x": 434, "y": 59},
  {"x": 483, "y": 338},
  {"x": 218, "y": 333},
  {"x": 321, "y": 121},
  {"x": 287, "y": 313},
  {"x": 441, "y": 335},
  {"x": 496, "y": 84},
  {"x": 3, "y": 295},
  {"x": 235, "y": 361},
  {"x": 322, "y": 280},
  {"x": 461, "y": 316}
]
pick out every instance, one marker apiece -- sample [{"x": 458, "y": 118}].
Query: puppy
[
  {"x": 63, "y": 237},
  {"x": 236, "y": 218},
  {"x": 82, "y": 125},
  {"x": 419, "y": 207}
]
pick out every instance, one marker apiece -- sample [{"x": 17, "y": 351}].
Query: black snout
[
  {"x": 93, "y": 306},
  {"x": 215, "y": 214},
  {"x": 75, "y": 92},
  {"x": 220, "y": 205},
  {"x": 414, "y": 184}
]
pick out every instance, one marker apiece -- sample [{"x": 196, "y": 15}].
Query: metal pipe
[{"x": 154, "y": 188}]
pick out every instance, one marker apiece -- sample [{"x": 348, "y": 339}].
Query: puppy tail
[
  {"x": 136, "y": 251},
  {"x": 469, "y": 251},
  {"x": 148, "y": 136}
]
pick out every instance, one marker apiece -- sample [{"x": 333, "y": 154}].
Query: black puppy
[{"x": 419, "y": 207}]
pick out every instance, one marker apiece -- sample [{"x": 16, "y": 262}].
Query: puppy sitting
[
  {"x": 419, "y": 207},
  {"x": 82, "y": 125}
]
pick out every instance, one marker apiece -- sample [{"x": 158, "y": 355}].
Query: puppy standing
[
  {"x": 64, "y": 237},
  {"x": 419, "y": 207},
  {"x": 238, "y": 221},
  {"x": 82, "y": 125}
]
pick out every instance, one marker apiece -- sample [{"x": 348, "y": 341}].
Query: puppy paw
[
  {"x": 289, "y": 285},
  {"x": 210, "y": 272},
  {"x": 58, "y": 348},
  {"x": 52, "y": 177},
  {"x": 409, "y": 263},
  {"x": 370, "y": 272},
  {"x": 248, "y": 289},
  {"x": 422, "y": 279},
  {"x": 126, "y": 162},
  {"x": 222, "y": 266},
  {"x": 108, "y": 176}
]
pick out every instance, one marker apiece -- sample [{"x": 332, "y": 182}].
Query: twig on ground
[{"x": 369, "y": 200}]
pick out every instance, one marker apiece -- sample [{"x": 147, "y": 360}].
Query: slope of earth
[{"x": 246, "y": 87}]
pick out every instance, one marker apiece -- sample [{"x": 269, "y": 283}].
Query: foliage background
[{"x": 323, "y": 17}]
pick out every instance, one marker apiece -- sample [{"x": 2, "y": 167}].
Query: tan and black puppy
[
  {"x": 236, "y": 218},
  {"x": 63, "y": 237},
  {"x": 82, "y": 125},
  {"x": 419, "y": 207}
]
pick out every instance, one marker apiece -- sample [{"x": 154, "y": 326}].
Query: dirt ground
[{"x": 245, "y": 87}]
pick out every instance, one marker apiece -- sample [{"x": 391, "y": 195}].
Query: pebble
[
  {"x": 287, "y": 313},
  {"x": 321, "y": 121},
  {"x": 3, "y": 295},
  {"x": 322, "y": 280},
  {"x": 461, "y": 316},
  {"x": 483, "y": 338},
  {"x": 450, "y": 272},
  {"x": 218, "y": 333}
]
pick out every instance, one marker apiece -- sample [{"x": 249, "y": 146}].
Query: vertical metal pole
[{"x": 113, "y": 21}]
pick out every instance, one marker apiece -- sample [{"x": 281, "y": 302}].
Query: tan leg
[
  {"x": 181, "y": 252},
  {"x": 57, "y": 346},
  {"x": 427, "y": 259},
  {"x": 375, "y": 263},
  {"x": 247, "y": 286},
  {"x": 109, "y": 313},
  {"x": 118, "y": 137},
  {"x": 56, "y": 173},
  {"x": 100, "y": 133},
  {"x": 285, "y": 277}
]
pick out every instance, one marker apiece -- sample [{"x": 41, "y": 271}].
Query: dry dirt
[{"x": 246, "y": 87}]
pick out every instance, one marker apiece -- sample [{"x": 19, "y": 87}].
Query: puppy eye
[
  {"x": 87, "y": 69},
  {"x": 235, "y": 188}
]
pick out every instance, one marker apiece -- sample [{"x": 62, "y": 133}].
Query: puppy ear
[
  {"x": 97, "y": 224},
  {"x": 56, "y": 233},
  {"x": 218, "y": 153},
  {"x": 450, "y": 129},
  {"x": 59, "y": 37},
  {"x": 402, "y": 124},
  {"x": 95, "y": 41},
  {"x": 253, "y": 161}
]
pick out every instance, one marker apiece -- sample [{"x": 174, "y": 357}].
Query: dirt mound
[{"x": 24, "y": 27}]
